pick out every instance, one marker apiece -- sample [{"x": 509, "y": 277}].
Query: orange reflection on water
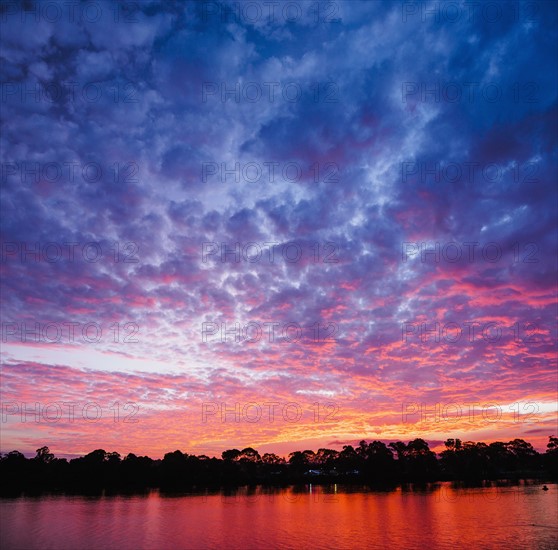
[{"x": 435, "y": 516}]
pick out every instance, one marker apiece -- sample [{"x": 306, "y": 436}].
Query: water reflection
[{"x": 437, "y": 515}]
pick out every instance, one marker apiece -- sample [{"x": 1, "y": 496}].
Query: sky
[{"x": 284, "y": 225}]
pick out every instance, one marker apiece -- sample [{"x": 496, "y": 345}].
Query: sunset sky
[{"x": 400, "y": 156}]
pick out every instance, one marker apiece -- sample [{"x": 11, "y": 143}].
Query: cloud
[{"x": 352, "y": 178}]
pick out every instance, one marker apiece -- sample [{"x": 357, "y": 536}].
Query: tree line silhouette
[{"x": 372, "y": 463}]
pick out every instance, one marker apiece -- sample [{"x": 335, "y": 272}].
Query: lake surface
[{"x": 298, "y": 517}]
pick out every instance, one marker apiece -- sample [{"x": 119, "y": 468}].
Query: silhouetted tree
[
  {"x": 421, "y": 461},
  {"x": 272, "y": 458},
  {"x": 373, "y": 462},
  {"x": 523, "y": 455},
  {"x": 378, "y": 463},
  {"x": 249, "y": 455},
  {"x": 551, "y": 457},
  {"x": 44, "y": 455},
  {"x": 326, "y": 458},
  {"x": 348, "y": 459},
  {"x": 231, "y": 454},
  {"x": 300, "y": 461}
]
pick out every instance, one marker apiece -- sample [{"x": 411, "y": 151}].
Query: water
[{"x": 298, "y": 517}]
